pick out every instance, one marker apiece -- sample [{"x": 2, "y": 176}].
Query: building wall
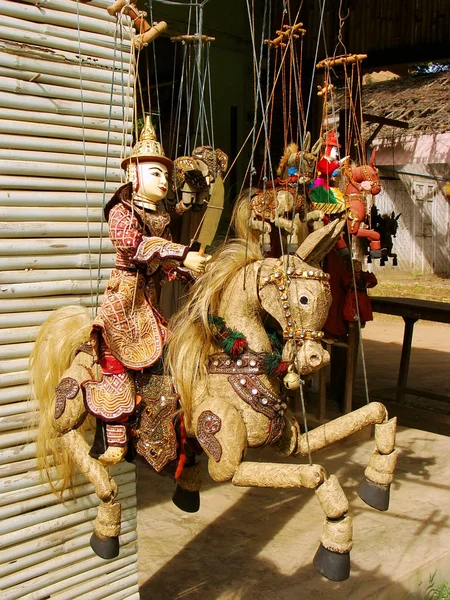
[{"x": 423, "y": 237}]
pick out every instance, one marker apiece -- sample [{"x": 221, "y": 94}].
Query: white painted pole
[
  {"x": 59, "y": 214},
  {"x": 54, "y": 144},
  {"x": 23, "y": 168},
  {"x": 63, "y": 19},
  {"x": 65, "y": 107},
  {"x": 112, "y": 164},
  {"x": 56, "y": 184},
  {"x": 10, "y": 366},
  {"x": 54, "y": 199},
  {"x": 72, "y": 71},
  {"x": 50, "y": 246},
  {"x": 40, "y": 303},
  {"x": 123, "y": 46},
  {"x": 16, "y": 393},
  {"x": 12, "y": 379},
  {"x": 46, "y": 288},
  {"x": 36, "y": 88},
  {"x": 34, "y": 276},
  {"x": 65, "y": 261},
  {"x": 9, "y": 31},
  {"x": 11, "y": 351},
  {"x": 94, "y": 129}
]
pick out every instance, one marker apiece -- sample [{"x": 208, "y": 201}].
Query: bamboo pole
[
  {"x": 123, "y": 46},
  {"x": 71, "y": 71},
  {"x": 30, "y": 168},
  {"x": 36, "y": 88},
  {"x": 11, "y": 31},
  {"x": 54, "y": 199},
  {"x": 11, "y": 379},
  {"x": 65, "y": 107},
  {"x": 100, "y": 571},
  {"x": 15, "y": 468},
  {"x": 48, "y": 246},
  {"x": 19, "y": 408},
  {"x": 39, "y": 303},
  {"x": 18, "y": 453},
  {"x": 17, "y": 438},
  {"x": 61, "y": 559},
  {"x": 22, "y": 319},
  {"x": 16, "y": 393},
  {"x": 97, "y": 129},
  {"x": 10, "y": 277},
  {"x": 74, "y": 573},
  {"x": 12, "y": 351},
  {"x": 49, "y": 545},
  {"x": 57, "y": 184},
  {"x": 58, "y": 214},
  {"x": 113, "y": 588},
  {"x": 61, "y": 158},
  {"x": 21, "y": 334},
  {"x": 42, "y": 495},
  {"x": 340, "y": 60},
  {"x": 46, "y": 288},
  {"x": 55, "y": 518},
  {"x": 64, "y": 147},
  {"x": 65, "y": 261},
  {"x": 105, "y": 26},
  {"x": 10, "y": 366},
  {"x": 67, "y": 82},
  {"x": 32, "y": 229},
  {"x": 86, "y": 10}
]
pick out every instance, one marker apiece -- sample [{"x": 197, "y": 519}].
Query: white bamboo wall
[{"x": 55, "y": 135}]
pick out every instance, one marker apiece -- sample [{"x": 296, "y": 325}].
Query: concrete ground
[{"x": 247, "y": 544}]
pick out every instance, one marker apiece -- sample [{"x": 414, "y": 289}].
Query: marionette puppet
[
  {"x": 129, "y": 333},
  {"x": 357, "y": 306}
]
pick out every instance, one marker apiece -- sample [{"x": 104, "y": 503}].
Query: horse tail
[{"x": 56, "y": 344}]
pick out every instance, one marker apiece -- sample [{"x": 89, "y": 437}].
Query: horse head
[
  {"x": 296, "y": 292},
  {"x": 300, "y": 164}
]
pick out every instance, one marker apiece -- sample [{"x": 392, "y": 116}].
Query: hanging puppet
[{"x": 129, "y": 333}]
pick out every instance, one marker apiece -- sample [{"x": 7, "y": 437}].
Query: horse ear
[
  {"x": 372, "y": 158},
  {"x": 392, "y": 215},
  {"x": 398, "y": 216},
  {"x": 320, "y": 242},
  {"x": 306, "y": 142},
  {"x": 317, "y": 146}
]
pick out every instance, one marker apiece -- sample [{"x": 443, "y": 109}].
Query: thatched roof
[{"x": 422, "y": 101}]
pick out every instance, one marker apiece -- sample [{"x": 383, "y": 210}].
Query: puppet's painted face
[{"x": 153, "y": 181}]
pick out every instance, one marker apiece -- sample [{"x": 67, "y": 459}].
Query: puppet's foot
[
  {"x": 105, "y": 547},
  {"x": 187, "y": 493},
  {"x": 112, "y": 456},
  {"x": 332, "y": 565},
  {"x": 374, "y": 494}
]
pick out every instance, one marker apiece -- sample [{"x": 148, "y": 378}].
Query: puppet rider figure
[{"x": 129, "y": 333}]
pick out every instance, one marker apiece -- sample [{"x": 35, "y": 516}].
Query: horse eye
[{"x": 304, "y": 300}]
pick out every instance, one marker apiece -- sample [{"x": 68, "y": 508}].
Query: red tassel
[{"x": 240, "y": 345}]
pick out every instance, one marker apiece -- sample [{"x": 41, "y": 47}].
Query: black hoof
[
  {"x": 332, "y": 565},
  {"x": 373, "y": 494},
  {"x": 185, "y": 500},
  {"x": 105, "y": 547}
]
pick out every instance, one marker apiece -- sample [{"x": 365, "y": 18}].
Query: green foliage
[{"x": 440, "y": 591}]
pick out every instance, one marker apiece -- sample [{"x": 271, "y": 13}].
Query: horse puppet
[{"x": 230, "y": 393}]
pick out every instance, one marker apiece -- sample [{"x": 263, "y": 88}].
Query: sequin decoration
[
  {"x": 156, "y": 437},
  {"x": 208, "y": 425},
  {"x": 66, "y": 389}
]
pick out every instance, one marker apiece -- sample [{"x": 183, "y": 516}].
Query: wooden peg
[
  {"x": 151, "y": 34},
  {"x": 285, "y": 34},
  {"x": 192, "y": 39},
  {"x": 346, "y": 59}
]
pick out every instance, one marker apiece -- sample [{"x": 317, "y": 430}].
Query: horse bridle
[{"x": 281, "y": 279}]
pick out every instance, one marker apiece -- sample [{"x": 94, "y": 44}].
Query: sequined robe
[{"x": 129, "y": 333}]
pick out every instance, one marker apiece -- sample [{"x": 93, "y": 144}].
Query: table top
[{"x": 412, "y": 308}]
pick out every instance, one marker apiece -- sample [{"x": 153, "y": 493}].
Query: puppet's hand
[{"x": 196, "y": 262}]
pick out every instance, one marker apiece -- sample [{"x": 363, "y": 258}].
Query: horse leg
[
  {"x": 379, "y": 474},
  {"x": 332, "y": 558},
  {"x": 70, "y": 412},
  {"x": 105, "y": 538}
]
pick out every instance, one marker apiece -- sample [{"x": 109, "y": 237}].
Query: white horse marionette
[{"x": 228, "y": 373}]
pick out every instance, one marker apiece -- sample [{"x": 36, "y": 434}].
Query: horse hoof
[
  {"x": 332, "y": 565},
  {"x": 186, "y": 500},
  {"x": 374, "y": 494},
  {"x": 105, "y": 547}
]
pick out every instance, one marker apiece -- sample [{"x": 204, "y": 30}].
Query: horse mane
[
  {"x": 240, "y": 219},
  {"x": 191, "y": 340}
]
